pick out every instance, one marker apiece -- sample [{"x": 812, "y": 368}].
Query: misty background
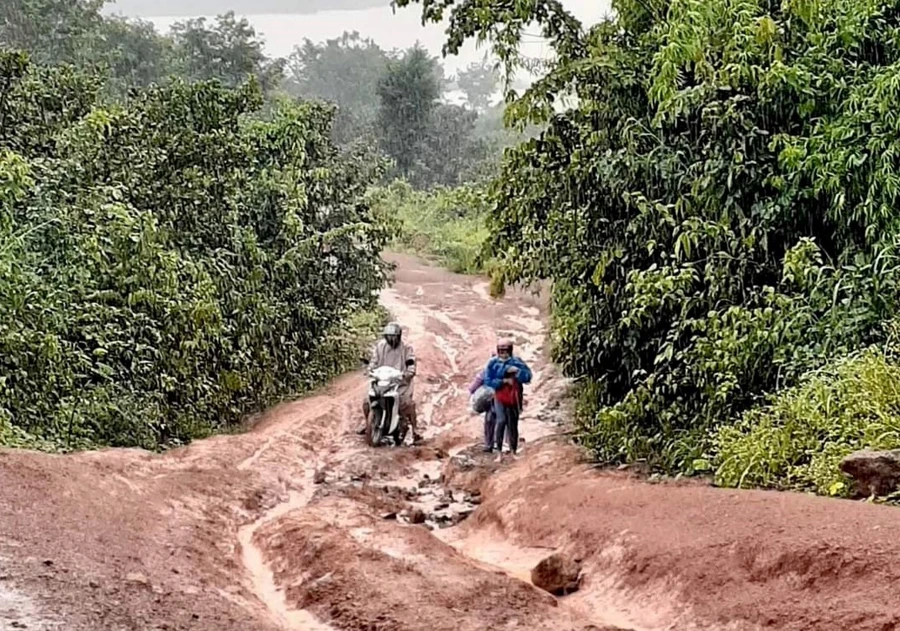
[{"x": 284, "y": 24}]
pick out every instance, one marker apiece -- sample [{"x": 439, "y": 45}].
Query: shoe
[
  {"x": 417, "y": 439},
  {"x": 488, "y": 450}
]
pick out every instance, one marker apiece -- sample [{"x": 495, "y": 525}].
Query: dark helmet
[{"x": 392, "y": 334}]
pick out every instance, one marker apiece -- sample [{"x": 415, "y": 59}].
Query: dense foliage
[
  {"x": 389, "y": 99},
  {"x": 714, "y": 199},
  {"x": 172, "y": 262}
]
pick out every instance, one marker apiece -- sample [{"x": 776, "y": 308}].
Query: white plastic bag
[{"x": 482, "y": 399}]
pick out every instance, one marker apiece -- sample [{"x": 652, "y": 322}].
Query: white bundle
[{"x": 482, "y": 399}]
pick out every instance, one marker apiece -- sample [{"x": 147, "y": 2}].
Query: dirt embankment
[{"x": 297, "y": 526}]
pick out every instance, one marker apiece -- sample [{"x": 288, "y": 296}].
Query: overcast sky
[{"x": 284, "y": 31}]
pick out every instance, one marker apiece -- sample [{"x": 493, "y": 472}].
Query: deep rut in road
[{"x": 296, "y": 525}]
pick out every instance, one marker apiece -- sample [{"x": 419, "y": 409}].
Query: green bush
[
  {"x": 798, "y": 440},
  {"x": 447, "y": 225},
  {"x": 172, "y": 263}
]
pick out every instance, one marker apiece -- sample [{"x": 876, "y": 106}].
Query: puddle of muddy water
[{"x": 262, "y": 580}]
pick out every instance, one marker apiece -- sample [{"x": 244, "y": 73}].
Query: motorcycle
[{"x": 384, "y": 407}]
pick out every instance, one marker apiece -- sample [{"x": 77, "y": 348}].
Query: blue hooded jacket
[{"x": 495, "y": 371}]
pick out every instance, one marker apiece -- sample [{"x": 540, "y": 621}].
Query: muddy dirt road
[{"x": 297, "y": 526}]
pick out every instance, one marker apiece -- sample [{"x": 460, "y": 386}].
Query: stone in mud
[
  {"x": 557, "y": 574},
  {"x": 417, "y": 516},
  {"x": 319, "y": 477},
  {"x": 137, "y": 578},
  {"x": 463, "y": 462},
  {"x": 462, "y": 515},
  {"x": 875, "y": 472}
]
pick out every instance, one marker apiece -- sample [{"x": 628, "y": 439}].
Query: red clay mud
[{"x": 296, "y": 525}]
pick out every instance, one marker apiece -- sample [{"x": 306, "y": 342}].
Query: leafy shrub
[
  {"x": 170, "y": 264},
  {"x": 445, "y": 224},
  {"x": 798, "y": 440}
]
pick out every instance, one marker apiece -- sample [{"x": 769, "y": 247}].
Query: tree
[
  {"x": 408, "y": 93},
  {"x": 131, "y": 52},
  {"x": 344, "y": 71},
  {"x": 53, "y": 31},
  {"x": 228, "y": 51},
  {"x": 450, "y": 154},
  {"x": 479, "y": 81},
  {"x": 715, "y": 207},
  {"x": 135, "y": 54}
]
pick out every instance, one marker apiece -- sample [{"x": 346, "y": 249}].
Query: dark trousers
[{"x": 507, "y": 420}]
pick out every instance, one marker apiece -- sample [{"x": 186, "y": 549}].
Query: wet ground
[{"x": 297, "y": 525}]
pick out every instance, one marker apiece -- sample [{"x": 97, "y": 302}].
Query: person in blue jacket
[{"x": 506, "y": 374}]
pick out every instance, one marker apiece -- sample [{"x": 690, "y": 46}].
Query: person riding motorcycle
[{"x": 392, "y": 351}]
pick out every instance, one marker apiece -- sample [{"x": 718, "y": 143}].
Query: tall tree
[
  {"x": 449, "y": 153},
  {"x": 344, "y": 71},
  {"x": 479, "y": 81},
  {"x": 228, "y": 50},
  {"x": 52, "y": 31},
  {"x": 136, "y": 55},
  {"x": 408, "y": 93}
]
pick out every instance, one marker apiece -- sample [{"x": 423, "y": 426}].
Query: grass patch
[
  {"x": 447, "y": 226},
  {"x": 797, "y": 440}
]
